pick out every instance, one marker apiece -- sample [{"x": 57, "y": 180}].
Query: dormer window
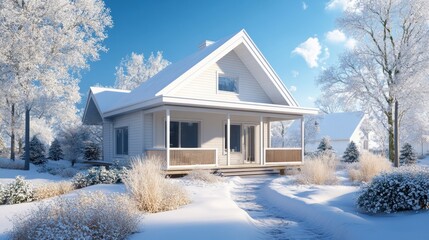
[{"x": 227, "y": 83}]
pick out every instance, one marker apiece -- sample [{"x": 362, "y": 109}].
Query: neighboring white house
[
  {"x": 341, "y": 129},
  {"x": 216, "y": 104}
]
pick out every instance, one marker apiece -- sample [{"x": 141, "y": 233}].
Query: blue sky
[{"x": 298, "y": 38}]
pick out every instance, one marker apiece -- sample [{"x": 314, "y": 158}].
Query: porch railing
[
  {"x": 182, "y": 157},
  {"x": 283, "y": 155}
]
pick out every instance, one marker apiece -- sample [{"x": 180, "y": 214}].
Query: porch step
[{"x": 246, "y": 172}]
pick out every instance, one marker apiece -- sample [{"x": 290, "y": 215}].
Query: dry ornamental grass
[
  {"x": 319, "y": 169},
  {"x": 369, "y": 166},
  {"x": 149, "y": 188}
]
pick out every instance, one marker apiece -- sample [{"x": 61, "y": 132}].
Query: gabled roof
[
  {"x": 99, "y": 100},
  {"x": 338, "y": 126},
  {"x": 158, "y": 89}
]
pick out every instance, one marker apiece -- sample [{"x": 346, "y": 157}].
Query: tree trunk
[
  {"x": 20, "y": 144},
  {"x": 12, "y": 132},
  {"x": 391, "y": 136},
  {"x": 27, "y": 138}
]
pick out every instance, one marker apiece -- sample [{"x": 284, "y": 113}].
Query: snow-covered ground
[{"x": 255, "y": 208}]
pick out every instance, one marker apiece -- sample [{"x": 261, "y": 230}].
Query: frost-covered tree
[
  {"x": 389, "y": 63},
  {"x": 92, "y": 151},
  {"x": 135, "y": 69},
  {"x": 44, "y": 44},
  {"x": 72, "y": 140},
  {"x": 55, "y": 151},
  {"x": 408, "y": 156},
  {"x": 37, "y": 151},
  {"x": 351, "y": 154},
  {"x": 324, "y": 145}
]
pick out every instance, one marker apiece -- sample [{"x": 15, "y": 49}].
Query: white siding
[
  {"x": 148, "y": 131},
  {"x": 134, "y": 122},
  {"x": 107, "y": 141},
  {"x": 204, "y": 86}
]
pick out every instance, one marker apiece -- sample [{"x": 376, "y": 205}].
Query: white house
[
  {"x": 341, "y": 129},
  {"x": 216, "y": 105}
]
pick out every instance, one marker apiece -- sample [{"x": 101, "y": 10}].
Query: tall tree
[
  {"x": 44, "y": 46},
  {"x": 135, "y": 69},
  {"x": 390, "y": 62}
]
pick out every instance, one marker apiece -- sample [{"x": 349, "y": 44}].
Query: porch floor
[{"x": 239, "y": 170}]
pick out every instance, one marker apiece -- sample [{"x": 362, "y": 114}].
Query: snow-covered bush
[
  {"x": 2, "y": 194},
  {"x": 204, "y": 175},
  {"x": 318, "y": 169},
  {"x": 324, "y": 146},
  {"x": 18, "y": 191},
  {"x": 369, "y": 165},
  {"x": 56, "y": 169},
  {"x": 55, "y": 151},
  {"x": 147, "y": 185},
  {"x": 408, "y": 156},
  {"x": 52, "y": 189},
  {"x": 92, "y": 151},
  {"x": 11, "y": 164},
  {"x": 406, "y": 188},
  {"x": 37, "y": 151},
  {"x": 89, "y": 216},
  {"x": 351, "y": 154},
  {"x": 98, "y": 175}
]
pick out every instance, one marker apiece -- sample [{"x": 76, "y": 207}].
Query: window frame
[
  {"x": 180, "y": 133},
  {"x": 230, "y": 76},
  {"x": 123, "y": 152}
]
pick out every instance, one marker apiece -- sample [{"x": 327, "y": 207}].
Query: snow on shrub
[
  {"x": 408, "y": 156},
  {"x": 55, "y": 151},
  {"x": 369, "y": 165},
  {"x": 11, "y": 164},
  {"x": 98, "y": 175},
  {"x": 53, "y": 189},
  {"x": 92, "y": 151},
  {"x": 318, "y": 169},
  {"x": 58, "y": 169},
  {"x": 152, "y": 192},
  {"x": 351, "y": 154},
  {"x": 406, "y": 188},
  {"x": 89, "y": 216},
  {"x": 15, "y": 192},
  {"x": 204, "y": 175},
  {"x": 37, "y": 151}
]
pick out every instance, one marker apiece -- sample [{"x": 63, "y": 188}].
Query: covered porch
[{"x": 220, "y": 138}]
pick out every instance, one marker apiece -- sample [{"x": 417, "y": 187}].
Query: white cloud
[
  {"x": 310, "y": 51},
  {"x": 304, "y": 6},
  {"x": 325, "y": 56},
  {"x": 293, "y": 88},
  {"x": 311, "y": 99},
  {"x": 295, "y": 73},
  {"x": 336, "y": 36},
  {"x": 350, "y": 43},
  {"x": 344, "y": 5}
]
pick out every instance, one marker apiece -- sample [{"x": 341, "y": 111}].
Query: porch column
[
  {"x": 269, "y": 134},
  {"x": 261, "y": 140},
  {"x": 228, "y": 134},
  {"x": 302, "y": 139},
  {"x": 167, "y": 136}
]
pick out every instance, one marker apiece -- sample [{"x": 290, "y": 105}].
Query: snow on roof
[
  {"x": 152, "y": 86},
  {"x": 106, "y": 97},
  {"x": 338, "y": 125}
]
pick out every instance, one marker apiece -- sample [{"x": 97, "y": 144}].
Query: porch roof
[{"x": 213, "y": 105}]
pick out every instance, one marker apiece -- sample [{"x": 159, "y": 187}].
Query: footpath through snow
[{"x": 248, "y": 193}]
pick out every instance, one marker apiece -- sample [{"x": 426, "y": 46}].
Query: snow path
[{"x": 248, "y": 194}]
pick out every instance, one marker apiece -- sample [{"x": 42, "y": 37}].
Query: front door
[{"x": 249, "y": 143}]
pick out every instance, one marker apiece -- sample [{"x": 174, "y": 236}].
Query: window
[
  {"x": 184, "y": 134},
  {"x": 122, "y": 141},
  {"x": 227, "y": 83},
  {"x": 235, "y": 137}
]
